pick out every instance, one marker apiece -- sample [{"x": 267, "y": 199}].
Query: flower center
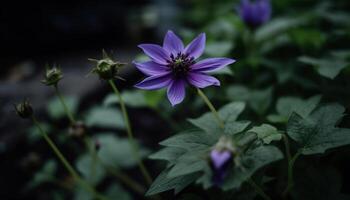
[{"x": 180, "y": 64}]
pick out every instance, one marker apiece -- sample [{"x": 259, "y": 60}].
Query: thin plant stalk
[
  {"x": 66, "y": 164},
  {"x": 258, "y": 189},
  {"x": 290, "y": 182},
  {"x": 134, "y": 147},
  {"x": 221, "y": 124},
  {"x": 211, "y": 107},
  {"x": 65, "y": 107},
  {"x": 90, "y": 146}
]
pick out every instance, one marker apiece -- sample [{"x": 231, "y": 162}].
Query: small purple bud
[
  {"x": 255, "y": 13},
  {"x": 220, "y": 161}
]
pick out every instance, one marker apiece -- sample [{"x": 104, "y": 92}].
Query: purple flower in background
[
  {"x": 220, "y": 161},
  {"x": 255, "y": 13},
  {"x": 174, "y": 66}
]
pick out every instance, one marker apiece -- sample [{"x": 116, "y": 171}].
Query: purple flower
[
  {"x": 255, "y": 13},
  {"x": 174, "y": 66},
  {"x": 220, "y": 161}
]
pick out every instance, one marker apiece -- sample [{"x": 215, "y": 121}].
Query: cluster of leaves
[{"x": 282, "y": 106}]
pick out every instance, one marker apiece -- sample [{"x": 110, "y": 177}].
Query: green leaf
[
  {"x": 169, "y": 154},
  {"x": 163, "y": 183},
  {"x": 191, "y": 140},
  {"x": 34, "y": 133},
  {"x": 117, "y": 152},
  {"x": 189, "y": 163},
  {"x": 267, "y": 133},
  {"x": 105, "y": 118},
  {"x": 131, "y": 98},
  {"x": 218, "y": 49},
  {"x": 56, "y": 110},
  {"x": 91, "y": 170},
  {"x": 115, "y": 191},
  {"x": 258, "y": 100},
  {"x": 287, "y": 105},
  {"x": 44, "y": 175},
  {"x": 252, "y": 160},
  {"x": 229, "y": 113},
  {"x": 233, "y": 128},
  {"x": 275, "y": 27},
  {"x": 327, "y": 67},
  {"x": 318, "y": 132}
]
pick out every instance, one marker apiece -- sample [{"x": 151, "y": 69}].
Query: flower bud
[
  {"x": 78, "y": 129},
  {"x": 52, "y": 76},
  {"x": 107, "y": 69},
  {"x": 24, "y": 109},
  {"x": 255, "y": 13},
  {"x": 221, "y": 157}
]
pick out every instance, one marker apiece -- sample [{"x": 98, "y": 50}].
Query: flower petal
[
  {"x": 211, "y": 64},
  {"x": 220, "y": 158},
  {"x": 196, "y": 47},
  {"x": 201, "y": 80},
  {"x": 172, "y": 43},
  {"x": 155, "y": 82},
  {"x": 151, "y": 68},
  {"x": 156, "y": 53},
  {"x": 176, "y": 91}
]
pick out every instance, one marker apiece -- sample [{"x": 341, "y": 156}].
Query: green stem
[
  {"x": 290, "y": 182},
  {"x": 92, "y": 151},
  {"x": 211, "y": 107},
  {"x": 124, "y": 178},
  {"x": 66, "y": 164},
  {"x": 65, "y": 107},
  {"x": 258, "y": 189},
  {"x": 134, "y": 147}
]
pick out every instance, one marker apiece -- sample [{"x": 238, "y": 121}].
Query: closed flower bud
[
  {"x": 107, "y": 69},
  {"x": 221, "y": 157},
  {"x": 78, "y": 129},
  {"x": 255, "y": 13},
  {"x": 24, "y": 109},
  {"x": 52, "y": 76}
]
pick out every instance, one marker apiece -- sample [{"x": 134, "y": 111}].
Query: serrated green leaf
[
  {"x": 117, "y": 152},
  {"x": 287, "y": 105},
  {"x": 169, "y": 154},
  {"x": 163, "y": 183},
  {"x": 318, "y": 132},
  {"x": 233, "y": 128},
  {"x": 252, "y": 160},
  {"x": 189, "y": 163},
  {"x": 229, "y": 113},
  {"x": 191, "y": 140},
  {"x": 105, "y": 118},
  {"x": 267, "y": 133}
]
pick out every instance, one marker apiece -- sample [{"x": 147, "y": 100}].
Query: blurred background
[{"x": 36, "y": 33}]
